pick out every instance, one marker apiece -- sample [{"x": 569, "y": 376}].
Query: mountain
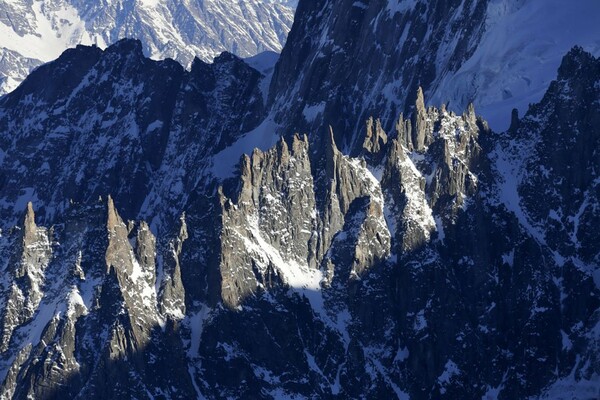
[
  {"x": 364, "y": 58},
  {"x": 516, "y": 59},
  {"x": 33, "y": 32},
  {"x": 435, "y": 258}
]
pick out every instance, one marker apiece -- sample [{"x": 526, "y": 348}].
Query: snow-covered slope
[
  {"x": 35, "y": 31},
  {"x": 518, "y": 55}
]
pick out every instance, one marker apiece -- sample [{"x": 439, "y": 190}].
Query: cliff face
[
  {"x": 97, "y": 119},
  {"x": 368, "y": 58},
  {"x": 27, "y": 276},
  {"x": 409, "y": 271},
  {"x": 278, "y": 232},
  {"x": 99, "y": 314}
]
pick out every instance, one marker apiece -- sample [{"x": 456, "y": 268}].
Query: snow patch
[
  {"x": 400, "y": 6},
  {"x": 262, "y": 137},
  {"x": 567, "y": 344},
  {"x": 263, "y": 62},
  {"x": 510, "y": 177},
  {"x": 450, "y": 370},
  {"x": 312, "y": 112},
  {"x": 518, "y": 56},
  {"x": 439, "y": 226}
]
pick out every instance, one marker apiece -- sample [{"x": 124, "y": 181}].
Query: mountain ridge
[
  {"x": 419, "y": 264},
  {"x": 35, "y": 32},
  {"x": 417, "y": 249}
]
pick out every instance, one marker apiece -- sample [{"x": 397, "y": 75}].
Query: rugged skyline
[{"x": 36, "y": 31}]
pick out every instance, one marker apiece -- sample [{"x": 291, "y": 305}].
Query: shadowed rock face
[
  {"x": 27, "y": 276},
  {"x": 407, "y": 271},
  {"x": 139, "y": 129},
  {"x": 360, "y": 59},
  {"x": 97, "y": 319},
  {"x": 368, "y": 58},
  {"x": 562, "y": 136},
  {"x": 438, "y": 260}
]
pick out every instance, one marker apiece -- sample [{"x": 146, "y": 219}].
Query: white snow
[
  {"x": 566, "y": 341},
  {"x": 74, "y": 300},
  {"x": 263, "y": 62},
  {"x": 450, "y": 370},
  {"x": 195, "y": 323},
  {"x": 300, "y": 277},
  {"x": 373, "y": 358},
  {"x": 402, "y": 354},
  {"x": 518, "y": 56},
  {"x": 147, "y": 292},
  {"x": 336, "y": 387},
  {"x": 509, "y": 173},
  {"x": 166, "y": 28},
  {"x": 417, "y": 208},
  {"x": 492, "y": 393},
  {"x": 312, "y": 112},
  {"x": 281, "y": 394},
  {"x": 49, "y": 40},
  {"x": 312, "y": 364},
  {"x": 295, "y": 271},
  {"x": 45, "y": 313},
  {"x": 262, "y": 137},
  {"x": 576, "y": 218},
  {"x": 154, "y": 126},
  {"x": 420, "y": 322},
  {"x": 400, "y": 6},
  {"x": 574, "y": 387},
  {"x": 509, "y": 258},
  {"x": 439, "y": 226}
]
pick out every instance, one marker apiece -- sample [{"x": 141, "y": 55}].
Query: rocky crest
[
  {"x": 149, "y": 122},
  {"x": 27, "y": 276},
  {"x": 103, "y": 323},
  {"x": 34, "y": 33},
  {"x": 367, "y": 58}
]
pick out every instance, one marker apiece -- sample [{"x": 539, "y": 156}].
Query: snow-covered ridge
[
  {"x": 39, "y": 31},
  {"x": 518, "y": 55}
]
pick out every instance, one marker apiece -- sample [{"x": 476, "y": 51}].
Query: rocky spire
[
  {"x": 27, "y": 279},
  {"x": 30, "y": 228},
  {"x": 113, "y": 219},
  {"x": 404, "y": 132},
  {"x": 420, "y": 117},
  {"x": 135, "y": 277},
  {"x": 375, "y": 137},
  {"x": 331, "y": 152},
  {"x": 172, "y": 295},
  {"x": 514, "y": 120}
]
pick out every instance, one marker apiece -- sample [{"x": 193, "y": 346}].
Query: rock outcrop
[
  {"x": 34, "y": 35},
  {"x": 26, "y": 271},
  {"x": 274, "y": 231}
]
